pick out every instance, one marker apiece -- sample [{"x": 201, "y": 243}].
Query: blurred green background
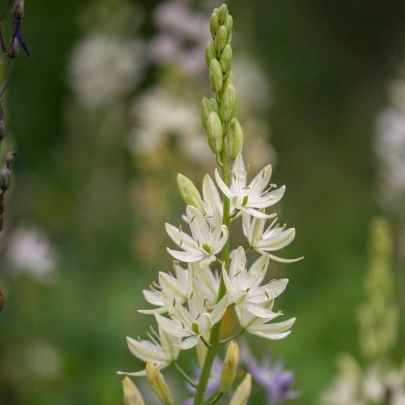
[{"x": 62, "y": 332}]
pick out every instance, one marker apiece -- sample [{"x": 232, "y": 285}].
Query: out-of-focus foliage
[{"x": 77, "y": 247}]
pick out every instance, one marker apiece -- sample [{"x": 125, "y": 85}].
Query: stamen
[
  {"x": 180, "y": 227},
  {"x": 182, "y": 324},
  {"x": 191, "y": 295},
  {"x": 192, "y": 219},
  {"x": 213, "y": 229},
  {"x": 139, "y": 338},
  {"x": 237, "y": 274},
  {"x": 181, "y": 242},
  {"x": 234, "y": 175},
  {"x": 272, "y": 185},
  {"x": 267, "y": 295},
  {"x": 197, "y": 317},
  {"x": 174, "y": 302}
]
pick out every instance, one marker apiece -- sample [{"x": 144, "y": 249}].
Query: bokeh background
[{"x": 107, "y": 112}]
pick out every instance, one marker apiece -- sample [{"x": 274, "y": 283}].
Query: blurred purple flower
[
  {"x": 213, "y": 382},
  {"x": 276, "y": 382}
]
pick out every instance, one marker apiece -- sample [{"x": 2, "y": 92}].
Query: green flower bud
[
  {"x": 189, "y": 193},
  {"x": 215, "y": 133},
  {"x": 228, "y": 103},
  {"x": 158, "y": 384},
  {"x": 221, "y": 39},
  {"x": 132, "y": 396},
  {"x": 235, "y": 136},
  {"x": 242, "y": 393},
  {"x": 207, "y": 107},
  {"x": 222, "y": 13},
  {"x": 216, "y": 77},
  {"x": 228, "y": 80},
  {"x": 229, "y": 368},
  {"x": 210, "y": 53},
  {"x": 229, "y": 24},
  {"x": 214, "y": 23},
  {"x": 226, "y": 59}
]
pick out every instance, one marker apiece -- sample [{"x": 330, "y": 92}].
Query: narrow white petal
[
  {"x": 153, "y": 297},
  {"x": 260, "y": 311},
  {"x": 222, "y": 186},
  {"x": 275, "y": 288},
  {"x": 238, "y": 183},
  {"x": 168, "y": 343},
  {"x": 145, "y": 350},
  {"x": 258, "y": 214},
  {"x": 229, "y": 285},
  {"x": 187, "y": 257},
  {"x": 259, "y": 183},
  {"x": 159, "y": 310},
  {"x": 142, "y": 373},
  {"x": 275, "y": 327},
  {"x": 172, "y": 285},
  {"x": 272, "y": 336},
  {"x": 246, "y": 220},
  {"x": 219, "y": 311},
  {"x": 221, "y": 242},
  {"x": 268, "y": 199},
  {"x": 258, "y": 271},
  {"x": 180, "y": 238},
  {"x": 172, "y": 327},
  {"x": 198, "y": 225},
  {"x": 208, "y": 279},
  {"x": 189, "y": 343},
  {"x": 278, "y": 241},
  {"x": 211, "y": 195},
  {"x": 281, "y": 260}
]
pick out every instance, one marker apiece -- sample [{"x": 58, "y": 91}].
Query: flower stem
[
  {"x": 185, "y": 375},
  {"x": 214, "y": 337}
]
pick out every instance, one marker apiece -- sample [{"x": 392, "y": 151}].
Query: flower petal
[
  {"x": 210, "y": 195},
  {"x": 189, "y": 343},
  {"x": 187, "y": 257},
  {"x": 171, "y": 327},
  {"x": 259, "y": 183},
  {"x": 146, "y": 350},
  {"x": 222, "y": 186},
  {"x": 219, "y": 311},
  {"x": 278, "y": 241},
  {"x": 198, "y": 225}
]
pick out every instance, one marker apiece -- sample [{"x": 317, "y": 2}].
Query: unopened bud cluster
[{"x": 217, "y": 114}]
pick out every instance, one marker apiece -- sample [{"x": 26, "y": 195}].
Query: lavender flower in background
[{"x": 276, "y": 381}]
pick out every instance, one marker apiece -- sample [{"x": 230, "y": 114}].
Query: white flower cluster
[
  {"x": 375, "y": 385},
  {"x": 186, "y": 304}
]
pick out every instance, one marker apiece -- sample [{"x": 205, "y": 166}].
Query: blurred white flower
[
  {"x": 30, "y": 251},
  {"x": 159, "y": 115},
  {"x": 104, "y": 67},
  {"x": 183, "y": 35},
  {"x": 390, "y": 149},
  {"x": 252, "y": 83}
]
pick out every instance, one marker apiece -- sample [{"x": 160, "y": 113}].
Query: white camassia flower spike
[
  {"x": 244, "y": 286},
  {"x": 208, "y": 237},
  {"x": 259, "y": 326},
  {"x": 162, "y": 349},
  {"x": 250, "y": 199},
  {"x": 269, "y": 240},
  {"x": 193, "y": 322}
]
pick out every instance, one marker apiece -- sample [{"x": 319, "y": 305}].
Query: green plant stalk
[{"x": 214, "y": 337}]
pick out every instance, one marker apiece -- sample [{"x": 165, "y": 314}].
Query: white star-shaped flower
[
  {"x": 193, "y": 322},
  {"x": 260, "y": 326},
  {"x": 244, "y": 287},
  {"x": 179, "y": 286},
  {"x": 252, "y": 198},
  {"x": 208, "y": 237},
  {"x": 162, "y": 349},
  {"x": 269, "y": 240}
]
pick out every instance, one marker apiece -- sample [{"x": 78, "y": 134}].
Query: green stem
[
  {"x": 214, "y": 399},
  {"x": 185, "y": 375},
  {"x": 234, "y": 336},
  {"x": 214, "y": 337}
]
